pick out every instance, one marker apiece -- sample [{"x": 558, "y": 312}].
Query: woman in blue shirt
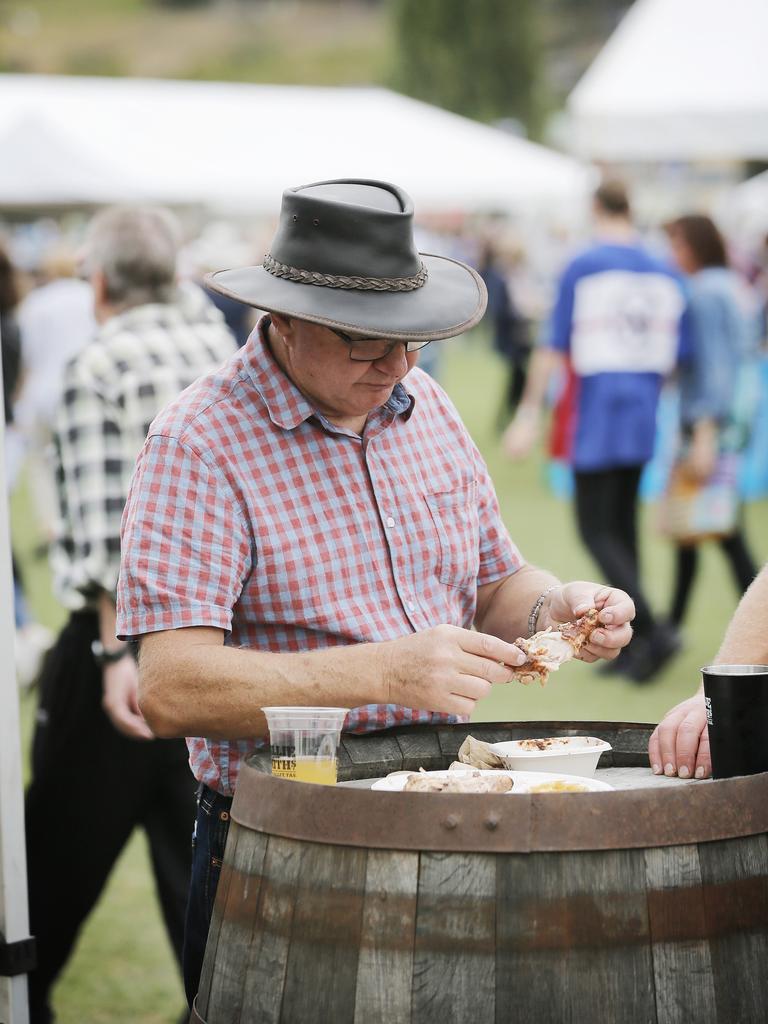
[{"x": 715, "y": 409}]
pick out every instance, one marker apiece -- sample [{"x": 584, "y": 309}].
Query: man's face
[{"x": 318, "y": 363}]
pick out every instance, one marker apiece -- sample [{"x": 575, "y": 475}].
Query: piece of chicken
[
  {"x": 458, "y": 782},
  {"x": 548, "y": 649}
]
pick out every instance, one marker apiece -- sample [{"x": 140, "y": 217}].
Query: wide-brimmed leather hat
[{"x": 344, "y": 256}]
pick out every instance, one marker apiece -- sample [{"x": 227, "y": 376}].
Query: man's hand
[
  {"x": 120, "y": 699},
  {"x": 446, "y": 668},
  {"x": 521, "y": 435},
  {"x": 701, "y": 460},
  {"x": 679, "y": 745},
  {"x": 616, "y": 611}
]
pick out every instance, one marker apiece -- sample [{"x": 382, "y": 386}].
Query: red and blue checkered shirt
[{"x": 250, "y": 512}]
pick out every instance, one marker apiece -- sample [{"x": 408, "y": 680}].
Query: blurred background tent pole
[{"x": 15, "y": 944}]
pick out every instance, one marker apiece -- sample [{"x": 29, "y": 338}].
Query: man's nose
[{"x": 396, "y": 361}]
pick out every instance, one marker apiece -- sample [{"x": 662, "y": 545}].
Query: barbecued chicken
[
  {"x": 548, "y": 649},
  {"x": 458, "y": 782}
]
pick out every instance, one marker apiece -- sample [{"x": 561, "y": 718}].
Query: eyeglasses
[{"x": 368, "y": 350}]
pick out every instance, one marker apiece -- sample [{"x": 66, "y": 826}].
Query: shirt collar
[{"x": 286, "y": 405}]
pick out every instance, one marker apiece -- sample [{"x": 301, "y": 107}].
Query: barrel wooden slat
[
  {"x": 363, "y": 759},
  {"x": 735, "y": 881},
  {"x": 454, "y": 960},
  {"x": 682, "y": 966},
  {"x": 244, "y": 869},
  {"x": 573, "y": 937},
  {"x": 267, "y": 959},
  {"x": 611, "y": 965},
  {"x": 218, "y": 924},
  {"x": 385, "y": 967},
  {"x": 321, "y": 977},
  {"x": 420, "y": 750},
  {"x": 530, "y": 979}
]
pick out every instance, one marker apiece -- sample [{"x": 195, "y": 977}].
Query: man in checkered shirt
[
  {"x": 313, "y": 525},
  {"x": 98, "y": 772}
]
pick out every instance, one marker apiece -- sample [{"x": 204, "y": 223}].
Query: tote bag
[{"x": 693, "y": 510}]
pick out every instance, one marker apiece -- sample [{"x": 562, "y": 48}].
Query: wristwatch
[{"x": 104, "y": 657}]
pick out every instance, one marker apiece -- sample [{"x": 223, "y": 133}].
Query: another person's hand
[
  {"x": 446, "y": 668},
  {"x": 519, "y": 438},
  {"x": 679, "y": 745},
  {"x": 616, "y": 611},
  {"x": 701, "y": 460},
  {"x": 120, "y": 699}
]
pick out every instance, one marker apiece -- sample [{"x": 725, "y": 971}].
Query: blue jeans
[{"x": 208, "y": 842}]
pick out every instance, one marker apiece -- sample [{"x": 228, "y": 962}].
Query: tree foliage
[{"x": 480, "y": 58}]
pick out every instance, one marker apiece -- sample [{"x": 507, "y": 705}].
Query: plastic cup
[
  {"x": 736, "y": 700},
  {"x": 304, "y": 742}
]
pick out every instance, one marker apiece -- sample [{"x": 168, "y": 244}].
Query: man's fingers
[
  {"x": 667, "y": 735},
  {"x": 692, "y": 736},
  {"x": 608, "y": 642},
  {"x": 486, "y": 646},
  {"x": 703, "y": 768},
  {"x": 471, "y": 687},
  {"x": 679, "y": 745}
]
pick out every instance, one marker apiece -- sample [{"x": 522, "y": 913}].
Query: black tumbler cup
[{"x": 736, "y": 699}]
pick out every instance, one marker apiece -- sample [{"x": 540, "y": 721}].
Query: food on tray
[
  {"x": 458, "y": 782},
  {"x": 558, "y": 786},
  {"x": 477, "y": 754},
  {"x": 546, "y": 744},
  {"x": 550, "y": 648}
]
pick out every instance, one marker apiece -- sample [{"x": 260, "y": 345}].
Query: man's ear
[
  {"x": 101, "y": 305},
  {"x": 283, "y": 324}
]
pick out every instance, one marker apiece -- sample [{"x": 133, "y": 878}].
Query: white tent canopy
[
  {"x": 743, "y": 211},
  {"x": 678, "y": 80},
  {"x": 237, "y": 146}
]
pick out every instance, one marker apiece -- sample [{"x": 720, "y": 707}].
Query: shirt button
[
  {"x": 411, "y": 606},
  {"x": 390, "y": 522}
]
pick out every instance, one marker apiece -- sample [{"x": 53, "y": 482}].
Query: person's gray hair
[{"x": 135, "y": 249}]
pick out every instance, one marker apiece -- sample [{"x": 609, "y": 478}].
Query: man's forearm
[
  {"x": 746, "y": 639},
  {"x": 505, "y": 610},
  {"x": 207, "y": 689},
  {"x": 545, "y": 362}
]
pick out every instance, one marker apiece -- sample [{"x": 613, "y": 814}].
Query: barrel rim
[{"x": 499, "y": 823}]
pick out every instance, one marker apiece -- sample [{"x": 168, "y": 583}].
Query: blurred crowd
[{"x": 47, "y": 317}]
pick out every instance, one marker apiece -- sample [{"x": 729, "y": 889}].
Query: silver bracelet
[{"x": 533, "y": 618}]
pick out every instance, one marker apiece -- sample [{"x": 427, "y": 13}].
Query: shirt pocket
[{"x": 456, "y": 522}]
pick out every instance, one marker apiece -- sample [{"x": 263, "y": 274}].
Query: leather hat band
[{"x": 374, "y": 284}]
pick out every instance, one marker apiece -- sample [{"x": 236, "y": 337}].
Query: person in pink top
[{"x": 313, "y": 524}]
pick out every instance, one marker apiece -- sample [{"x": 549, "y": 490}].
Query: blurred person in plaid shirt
[
  {"x": 98, "y": 771},
  {"x": 313, "y": 524}
]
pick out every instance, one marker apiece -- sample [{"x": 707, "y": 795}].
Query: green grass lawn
[{"x": 122, "y": 970}]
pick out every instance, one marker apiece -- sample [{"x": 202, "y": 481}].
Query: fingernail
[
  {"x": 699, "y": 772},
  {"x": 607, "y": 617},
  {"x": 581, "y": 608},
  {"x": 669, "y": 769},
  {"x": 683, "y": 771},
  {"x": 656, "y": 769},
  {"x": 598, "y": 636}
]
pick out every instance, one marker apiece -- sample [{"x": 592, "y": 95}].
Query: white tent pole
[{"x": 14, "y": 914}]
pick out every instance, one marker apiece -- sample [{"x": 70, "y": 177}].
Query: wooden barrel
[{"x": 337, "y": 904}]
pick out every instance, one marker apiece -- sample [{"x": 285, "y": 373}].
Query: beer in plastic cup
[{"x": 304, "y": 742}]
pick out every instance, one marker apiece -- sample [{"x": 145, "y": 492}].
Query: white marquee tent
[
  {"x": 237, "y": 146},
  {"x": 678, "y": 80}
]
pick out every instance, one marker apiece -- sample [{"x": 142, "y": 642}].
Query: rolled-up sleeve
[{"x": 186, "y": 548}]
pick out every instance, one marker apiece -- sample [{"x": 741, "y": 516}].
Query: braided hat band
[{"x": 374, "y": 284}]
